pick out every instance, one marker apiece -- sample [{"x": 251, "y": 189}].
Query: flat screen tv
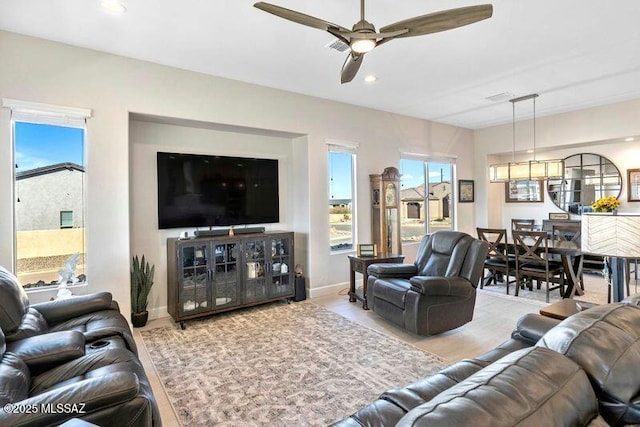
[{"x": 202, "y": 190}]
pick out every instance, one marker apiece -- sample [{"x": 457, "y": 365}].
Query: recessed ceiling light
[
  {"x": 370, "y": 78},
  {"x": 529, "y": 151},
  {"x": 629, "y": 139},
  {"x": 115, "y": 7}
]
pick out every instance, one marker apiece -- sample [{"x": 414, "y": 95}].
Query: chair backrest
[
  {"x": 522, "y": 224},
  {"x": 566, "y": 236},
  {"x": 451, "y": 253},
  {"x": 531, "y": 246},
  {"x": 497, "y": 240}
]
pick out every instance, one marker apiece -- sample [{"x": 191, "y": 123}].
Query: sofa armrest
[
  {"x": 63, "y": 309},
  {"x": 73, "y": 400},
  {"x": 531, "y": 327},
  {"x": 398, "y": 270},
  {"x": 441, "y": 286},
  {"x": 49, "y": 350}
]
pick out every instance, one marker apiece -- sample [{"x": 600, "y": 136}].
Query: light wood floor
[{"x": 494, "y": 318}]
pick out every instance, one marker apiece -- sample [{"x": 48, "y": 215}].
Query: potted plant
[{"x": 141, "y": 283}]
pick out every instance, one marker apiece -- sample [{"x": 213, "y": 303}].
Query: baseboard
[
  {"x": 158, "y": 313},
  {"x": 327, "y": 290}
]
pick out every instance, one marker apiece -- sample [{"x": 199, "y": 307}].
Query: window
[
  {"x": 49, "y": 195},
  {"x": 341, "y": 190},
  {"x": 426, "y": 198},
  {"x": 66, "y": 219}
]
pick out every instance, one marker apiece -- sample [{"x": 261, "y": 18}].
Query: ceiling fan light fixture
[
  {"x": 114, "y": 7},
  {"x": 363, "y": 45},
  {"x": 370, "y": 78}
]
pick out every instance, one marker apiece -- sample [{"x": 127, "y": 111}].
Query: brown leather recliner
[{"x": 437, "y": 292}]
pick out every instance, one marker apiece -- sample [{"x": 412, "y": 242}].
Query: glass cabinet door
[
  {"x": 281, "y": 268},
  {"x": 225, "y": 277},
  {"x": 254, "y": 270},
  {"x": 195, "y": 292}
]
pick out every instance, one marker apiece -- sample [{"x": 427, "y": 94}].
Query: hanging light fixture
[{"x": 527, "y": 170}]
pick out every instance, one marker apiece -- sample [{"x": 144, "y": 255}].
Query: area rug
[
  {"x": 279, "y": 365},
  {"x": 594, "y": 286}
]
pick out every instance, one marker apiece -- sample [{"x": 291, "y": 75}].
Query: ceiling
[{"x": 574, "y": 53}]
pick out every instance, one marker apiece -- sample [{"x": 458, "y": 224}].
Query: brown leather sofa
[
  {"x": 66, "y": 359},
  {"x": 581, "y": 371},
  {"x": 437, "y": 292}
]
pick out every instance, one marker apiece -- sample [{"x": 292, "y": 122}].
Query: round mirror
[{"x": 586, "y": 178}]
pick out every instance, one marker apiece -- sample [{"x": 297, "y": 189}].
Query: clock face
[{"x": 390, "y": 195}]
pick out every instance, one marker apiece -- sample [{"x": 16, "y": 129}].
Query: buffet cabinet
[{"x": 214, "y": 274}]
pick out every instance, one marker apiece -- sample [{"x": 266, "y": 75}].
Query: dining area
[{"x": 547, "y": 261}]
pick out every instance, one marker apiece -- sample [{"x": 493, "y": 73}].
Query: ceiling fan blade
[
  {"x": 441, "y": 21},
  {"x": 297, "y": 17},
  {"x": 351, "y": 66}
]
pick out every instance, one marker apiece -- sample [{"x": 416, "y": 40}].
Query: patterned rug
[
  {"x": 279, "y": 364},
  {"x": 594, "y": 286}
]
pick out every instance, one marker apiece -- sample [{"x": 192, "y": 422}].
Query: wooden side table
[
  {"x": 359, "y": 264},
  {"x": 564, "y": 308}
]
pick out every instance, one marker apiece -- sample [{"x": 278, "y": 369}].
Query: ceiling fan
[{"x": 363, "y": 37}]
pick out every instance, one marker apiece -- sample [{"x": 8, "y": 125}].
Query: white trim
[
  {"x": 327, "y": 290},
  {"x": 56, "y": 115},
  {"x": 37, "y": 107},
  {"x": 342, "y": 146}
]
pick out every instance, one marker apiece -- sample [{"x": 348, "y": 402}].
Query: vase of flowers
[{"x": 606, "y": 204}]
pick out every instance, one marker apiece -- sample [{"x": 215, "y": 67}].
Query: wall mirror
[{"x": 587, "y": 177}]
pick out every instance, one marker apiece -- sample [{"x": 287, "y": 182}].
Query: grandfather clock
[{"x": 385, "y": 211}]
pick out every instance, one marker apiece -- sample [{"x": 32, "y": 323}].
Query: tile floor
[{"x": 494, "y": 318}]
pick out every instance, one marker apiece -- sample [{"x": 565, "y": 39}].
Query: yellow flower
[{"x": 606, "y": 204}]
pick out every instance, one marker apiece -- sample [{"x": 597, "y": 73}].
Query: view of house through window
[
  {"x": 426, "y": 198},
  {"x": 49, "y": 202},
  {"x": 341, "y": 220}
]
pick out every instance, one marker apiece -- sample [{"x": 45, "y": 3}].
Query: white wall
[
  {"x": 113, "y": 87},
  {"x": 599, "y": 130},
  {"x": 146, "y": 139}
]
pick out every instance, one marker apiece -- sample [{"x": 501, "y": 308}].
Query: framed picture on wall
[
  {"x": 633, "y": 185},
  {"x": 466, "y": 191},
  {"x": 524, "y": 191}
]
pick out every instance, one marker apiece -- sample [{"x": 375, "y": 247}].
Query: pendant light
[{"x": 527, "y": 170}]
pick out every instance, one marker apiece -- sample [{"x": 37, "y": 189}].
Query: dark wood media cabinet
[{"x": 209, "y": 275}]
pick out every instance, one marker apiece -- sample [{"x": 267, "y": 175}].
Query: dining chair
[
  {"x": 532, "y": 261},
  {"x": 498, "y": 261},
  {"x": 567, "y": 236},
  {"x": 523, "y": 224}
]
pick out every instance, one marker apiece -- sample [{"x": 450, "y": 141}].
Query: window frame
[
  {"x": 51, "y": 115},
  {"x": 426, "y": 160},
  {"x": 350, "y": 150}
]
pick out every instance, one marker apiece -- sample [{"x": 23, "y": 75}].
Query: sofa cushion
[
  {"x": 14, "y": 302},
  {"x": 441, "y": 286},
  {"x": 33, "y": 324},
  {"x": 523, "y": 388},
  {"x": 48, "y": 350},
  {"x": 392, "y": 270},
  {"x": 605, "y": 341},
  {"x": 393, "y": 291},
  {"x": 14, "y": 379}
]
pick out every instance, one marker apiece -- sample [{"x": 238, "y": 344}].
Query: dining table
[{"x": 572, "y": 258}]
